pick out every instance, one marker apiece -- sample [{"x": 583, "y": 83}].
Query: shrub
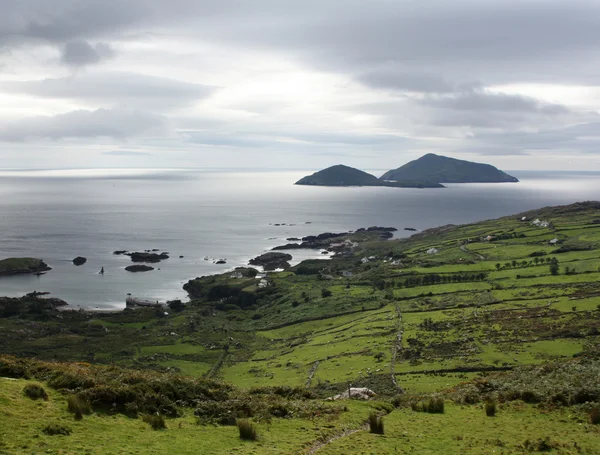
[
  {"x": 595, "y": 415},
  {"x": 490, "y": 408},
  {"x": 156, "y": 421},
  {"x": 35, "y": 392},
  {"x": 375, "y": 423},
  {"x": 78, "y": 406},
  {"x": 53, "y": 429},
  {"x": 325, "y": 293},
  {"x": 247, "y": 430}
]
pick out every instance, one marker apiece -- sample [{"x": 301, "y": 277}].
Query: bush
[
  {"x": 156, "y": 421},
  {"x": 53, "y": 429},
  {"x": 325, "y": 293},
  {"x": 595, "y": 415},
  {"x": 375, "y": 423},
  {"x": 490, "y": 408},
  {"x": 35, "y": 392},
  {"x": 78, "y": 406},
  {"x": 247, "y": 430}
]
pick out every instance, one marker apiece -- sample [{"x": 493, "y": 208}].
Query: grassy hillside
[{"x": 504, "y": 310}]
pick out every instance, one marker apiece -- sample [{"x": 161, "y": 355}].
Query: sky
[{"x": 298, "y": 84}]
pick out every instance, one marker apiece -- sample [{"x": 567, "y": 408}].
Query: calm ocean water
[{"x": 58, "y": 215}]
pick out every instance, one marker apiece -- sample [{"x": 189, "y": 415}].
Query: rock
[
  {"x": 410, "y": 229},
  {"x": 272, "y": 260},
  {"x": 180, "y": 257},
  {"x": 293, "y": 239},
  {"x": 147, "y": 257},
  {"x": 120, "y": 252},
  {"x": 79, "y": 260},
  {"x": 221, "y": 261},
  {"x": 139, "y": 268}
]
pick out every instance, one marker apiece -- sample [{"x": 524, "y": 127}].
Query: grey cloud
[
  {"x": 128, "y": 89},
  {"x": 278, "y": 139},
  {"x": 81, "y": 53},
  {"x": 482, "y": 100},
  {"x": 386, "y": 78},
  {"x": 113, "y": 123}
]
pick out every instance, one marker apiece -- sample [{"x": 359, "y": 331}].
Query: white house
[{"x": 433, "y": 251}]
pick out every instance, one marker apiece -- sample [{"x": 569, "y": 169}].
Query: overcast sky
[{"x": 299, "y": 84}]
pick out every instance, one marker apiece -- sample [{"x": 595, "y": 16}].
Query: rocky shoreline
[{"x": 334, "y": 243}]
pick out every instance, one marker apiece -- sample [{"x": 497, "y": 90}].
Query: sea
[{"x": 200, "y": 216}]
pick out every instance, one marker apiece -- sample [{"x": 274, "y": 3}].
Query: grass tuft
[
  {"x": 35, "y": 392},
  {"x": 78, "y": 406},
  {"x": 53, "y": 429},
  {"x": 375, "y": 423},
  {"x": 490, "y": 408},
  {"x": 247, "y": 430},
  {"x": 156, "y": 421},
  {"x": 595, "y": 415}
]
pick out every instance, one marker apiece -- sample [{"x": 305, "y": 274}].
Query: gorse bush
[
  {"x": 156, "y": 421},
  {"x": 490, "y": 408},
  {"x": 35, "y": 392},
  {"x": 247, "y": 430},
  {"x": 53, "y": 429},
  {"x": 375, "y": 423}
]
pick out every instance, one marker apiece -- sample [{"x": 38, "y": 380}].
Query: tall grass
[
  {"x": 247, "y": 430},
  {"x": 375, "y": 423}
]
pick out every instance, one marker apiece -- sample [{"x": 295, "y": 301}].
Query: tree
[{"x": 498, "y": 266}]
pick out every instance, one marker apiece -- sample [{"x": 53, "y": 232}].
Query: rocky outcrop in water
[
  {"x": 272, "y": 261},
  {"x": 147, "y": 257},
  {"x": 139, "y": 268},
  {"x": 79, "y": 260}
]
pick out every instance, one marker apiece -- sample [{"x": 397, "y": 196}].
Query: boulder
[{"x": 79, "y": 260}]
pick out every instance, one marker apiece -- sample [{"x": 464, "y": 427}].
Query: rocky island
[
  {"x": 340, "y": 175},
  {"x": 17, "y": 266},
  {"x": 429, "y": 171},
  {"x": 442, "y": 169}
]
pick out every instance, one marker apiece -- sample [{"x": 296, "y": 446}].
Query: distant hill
[
  {"x": 341, "y": 175},
  {"x": 441, "y": 169}
]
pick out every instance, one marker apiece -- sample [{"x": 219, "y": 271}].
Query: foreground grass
[
  {"x": 467, "y": 430},
  {"x": 22, "y": 421}
]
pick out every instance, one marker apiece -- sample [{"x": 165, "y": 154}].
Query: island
[
  {"x": 17, "y": 266},
  {"x": 340, "y": 175},
  {"x": 442, "y": 169}
]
